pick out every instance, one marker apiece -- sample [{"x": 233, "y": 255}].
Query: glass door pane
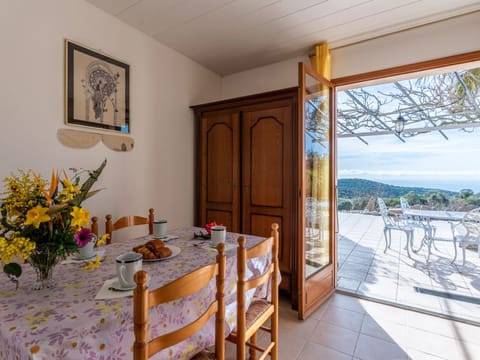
[{"x": 317, "y": 175}]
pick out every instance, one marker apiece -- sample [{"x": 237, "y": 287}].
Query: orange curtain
[{"x": 321, "y": 60}]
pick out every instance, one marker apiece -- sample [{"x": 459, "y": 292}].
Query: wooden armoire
[{"x": 245, "y": 168}]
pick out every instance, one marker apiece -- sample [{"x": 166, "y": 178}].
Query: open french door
[{"x": 317, "y": 231}]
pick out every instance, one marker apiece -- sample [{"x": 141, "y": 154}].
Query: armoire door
[
  {"x": 219, "y": 196},
  {"x": 267, "y": 176},
  {"x": 317, "y": 233}
]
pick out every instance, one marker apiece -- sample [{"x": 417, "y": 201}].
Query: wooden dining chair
[
  {"x": 143, "y": 300},
  {"x": 250, "y": 320},
  {"x": 127, "y": 221}
]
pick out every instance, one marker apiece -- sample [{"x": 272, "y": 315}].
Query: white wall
[
  {"x": 454, "y": 36},
  {"x": 159, "y": 171}
]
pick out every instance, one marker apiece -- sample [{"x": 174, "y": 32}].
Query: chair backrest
[
  {"x": 471, "y": 222},
  {"x": 143, "y": 300},
  {"x": 127, "y": 221},
  {"x": 268, "y": 245},
  {"x": 384, "y": 212},
  {"x": 404, "y": 204}
]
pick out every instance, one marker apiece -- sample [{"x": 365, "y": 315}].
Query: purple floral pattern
[{"x": 67, "y": 323}]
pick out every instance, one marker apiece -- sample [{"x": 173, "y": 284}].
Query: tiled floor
[
  {"x": 351, "y": 328},
  {"x": 393, "y": 277}
]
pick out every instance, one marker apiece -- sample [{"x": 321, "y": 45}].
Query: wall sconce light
[{"x": 400, "y": 124}]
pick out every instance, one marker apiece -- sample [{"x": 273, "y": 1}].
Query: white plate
[
  {"x": 116, "y": 286},
  {"x": 175, "y": 251}
]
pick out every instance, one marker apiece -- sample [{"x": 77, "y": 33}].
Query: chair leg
[
  {"x": 409, "y": 240},
  {"x": 251, "y": 351},
  {"x": 386, "y": 240},
  {"x": 455, "y": 250},
  {"x": 463, "y": 253}
]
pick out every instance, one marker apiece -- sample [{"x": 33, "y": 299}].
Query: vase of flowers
[
  {"x": 43, "y": 259},
  {"x": 40, "y": 219}
]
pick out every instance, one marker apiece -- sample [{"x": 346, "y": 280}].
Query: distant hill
[{"x": 352, "y": 188}]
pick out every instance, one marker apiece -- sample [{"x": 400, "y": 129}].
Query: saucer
[
  {"x": 117, "y": 287},
  {"x": 163, "y": 238},
  {"x": 76, "y": 257}
]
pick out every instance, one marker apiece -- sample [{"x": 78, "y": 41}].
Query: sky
[{"x": 425, "y": 160}]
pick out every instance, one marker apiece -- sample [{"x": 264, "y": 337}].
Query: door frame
[
  {"x": 304, "y": 309},
  {"x": 408, "y": 69}
]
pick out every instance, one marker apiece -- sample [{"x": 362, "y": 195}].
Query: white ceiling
[{"x": 229, "y": 36}]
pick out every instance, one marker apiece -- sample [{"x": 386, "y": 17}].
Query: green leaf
[
  {"x": 88, "y": 184},
  {"x": 13, "y": 269}
]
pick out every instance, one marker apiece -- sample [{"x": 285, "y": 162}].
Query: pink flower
[
  {"x": 83, "y": 237},
  {"x": 209, "y": 226}
]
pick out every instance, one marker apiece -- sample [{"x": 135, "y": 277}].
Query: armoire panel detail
[
  {"x": 266, "y": 162},
  {"x": 219, "y": 151}
]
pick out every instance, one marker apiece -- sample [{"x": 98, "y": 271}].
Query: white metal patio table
[{"x": 428, "y": 216}]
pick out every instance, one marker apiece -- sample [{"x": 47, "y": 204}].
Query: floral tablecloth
[{"x": 66, "y": 322}]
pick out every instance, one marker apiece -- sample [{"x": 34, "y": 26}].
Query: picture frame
[{"x": 97, "y": 90}]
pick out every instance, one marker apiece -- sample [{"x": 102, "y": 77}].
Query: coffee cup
[
  {"x": 218, "y": 234},
  {"x": 160, "y": 229},
  {"x": 127, "y": 265},
  {"x": 87, "y": 251}
]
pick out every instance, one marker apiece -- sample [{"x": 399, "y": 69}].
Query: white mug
[
  {"x": 87, "y": 251},
  {"x": 127, "y": 265},
  {"x": 218, "y": 234},
  {"x": 160, "y": 229}
]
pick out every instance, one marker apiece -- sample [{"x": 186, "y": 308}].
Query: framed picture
[{"x": 97, "y": 89}]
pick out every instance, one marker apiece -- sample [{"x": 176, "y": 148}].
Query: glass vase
[{"x": 43, "y": 259}]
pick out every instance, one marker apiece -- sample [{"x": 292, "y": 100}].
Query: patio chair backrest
[
  {"x": 404, "y": 204},
  {"x": 384, "y": 212},
  {"x": 471, "y": 222}
]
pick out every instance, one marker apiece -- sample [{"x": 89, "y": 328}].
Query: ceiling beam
[
  {"x": 359, "y": 103},
  {"x": 415, "y": 130},
  {"x": 414, "y": 103}
]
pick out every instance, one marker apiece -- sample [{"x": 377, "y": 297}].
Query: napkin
[
  {"x": 106, "y": 294},
  {"x": 71, "y": 258}
]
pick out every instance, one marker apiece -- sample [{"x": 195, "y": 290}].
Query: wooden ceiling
[{"x": 229, "y": 36}]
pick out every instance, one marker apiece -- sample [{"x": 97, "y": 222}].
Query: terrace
[{"x": 436, "y": 286}]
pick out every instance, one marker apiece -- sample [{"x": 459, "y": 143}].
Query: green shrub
[{"x": 345, "y": 205}]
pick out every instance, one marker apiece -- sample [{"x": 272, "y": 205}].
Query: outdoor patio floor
[{"x": 394, "y": 278}]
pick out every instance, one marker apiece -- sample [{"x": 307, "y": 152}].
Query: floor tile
[
  {"x": 335, "y": 337},
  {"x": 313, "y": 351},
  {"x": 370, "y": 348},
  {"x": 384, "y": 330},
  {"x": 348, "y": 319}
]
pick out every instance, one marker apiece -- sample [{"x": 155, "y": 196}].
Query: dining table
[
  {"x": 426, "y": 217},
  {"x": 71, "y": 321}
]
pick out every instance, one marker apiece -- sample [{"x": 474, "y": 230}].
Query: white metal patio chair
[
  {"x": 470, "y": 233},
  {"x": 312, "y": 217},
  {"x": 394, "y": 223},
  {"x": 416, "y": 222}
]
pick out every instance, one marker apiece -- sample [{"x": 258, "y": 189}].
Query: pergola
[{"x": 431, "y": 103}]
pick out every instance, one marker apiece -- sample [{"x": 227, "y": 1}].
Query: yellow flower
[
  {"x": 80, "y": 217},
  {"x": 93, "y": 264},
  {"x": 103, "y": 239},
  {"x": 36, "y": 216}
]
